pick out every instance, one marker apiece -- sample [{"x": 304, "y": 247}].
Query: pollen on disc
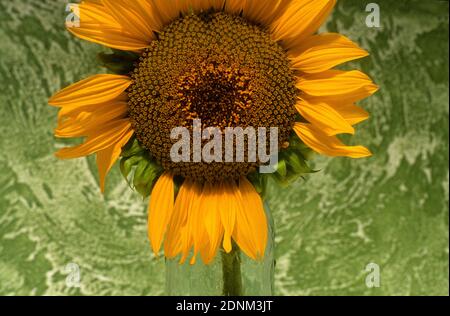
[{"x": 217, "y": 68}]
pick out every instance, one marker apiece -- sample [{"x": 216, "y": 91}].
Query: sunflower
[{"x": 228, "y": 63}]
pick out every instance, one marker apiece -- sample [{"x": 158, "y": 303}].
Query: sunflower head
[
  {"x": 211, "y": 65},
  {"x": 219, "y": 69}
]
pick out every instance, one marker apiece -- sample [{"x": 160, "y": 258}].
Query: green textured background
[{"x": 391, "y": 209}]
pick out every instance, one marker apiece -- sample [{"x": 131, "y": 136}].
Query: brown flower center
[{"x": 217, "y": 68}]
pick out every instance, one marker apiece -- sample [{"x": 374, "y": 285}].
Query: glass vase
[{"x": 232, "y": 274}]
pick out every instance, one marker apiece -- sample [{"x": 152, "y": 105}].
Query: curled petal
[
  {"x": 351, "y": 113},
  {"x": 85, "y": 121},
  {"x": 325, "y": 117},
  {"x": 98, "y": 140},
  {"x": 327, "y": 145}
]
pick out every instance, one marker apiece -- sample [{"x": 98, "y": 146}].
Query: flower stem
[{"x": 231, "y": 269}]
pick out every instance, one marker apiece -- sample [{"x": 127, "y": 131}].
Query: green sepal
[
  {"x": 292, "y": 165},
  {"x": 118, "y": 62},
  {"x": 127, "y": 55},
  {"x": 132, "y": 148},
  {"x": 296, "y": 167},
  {"x": 138, "y": 168},
  {"x": 297, "y": 164},
  {"x": 297, "y": 146},
  {"x": 127, "y": 164},
  {"x": 282, "y": 168},
  {"x": 293, "y": 162},
  {"x": 144, "y": 177},
  {"x": 259, "y": 181}
]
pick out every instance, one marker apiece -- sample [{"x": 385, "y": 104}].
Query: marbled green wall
[{"x": 391, "y": 209}]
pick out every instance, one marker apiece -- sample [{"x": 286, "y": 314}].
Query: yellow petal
[
  {"x": 84, "y": 122},
  {"x": 325, "y": 51},
  {"x": 344, "y": 105},
  {"x": 351, "y": 113},
  {"x": 235, "y": 6},
  {"x": 93, "y": 1},
  {"x": 112, "y": 38},
  {"x": 324, "y": 117},
  {"x": 98, "y": 25},
  {"x": 160, "y": 210},
  {"x": 250, "y": 231},
  {"x": 229, "y": 206},
  {"x": 201, "y": 5},
  {"x": 337, "y": 83},
  {"x": 338, "y": 101},
  {"x": 100, "y": 139},
  {"x": 131, "y": 18},
  {"x": 261, "y": 11},
  {"x": 210, "y": 204},
  {"x": 148, "y": 10},
  {"x": 72, "y": 111},
  {"x": 93, "y": 90},
  {"x": 95, "y": 13},
  {"x": 106, "y": 158},
  {"x": 300, "y": 19},
  {"x": 217, "y": 4},
  {"x": 169, "y": 10},
  {"x": 194, "y": 229},
  {"x": 327, "y": 145},
  {"x": 175, "y": 234}
]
